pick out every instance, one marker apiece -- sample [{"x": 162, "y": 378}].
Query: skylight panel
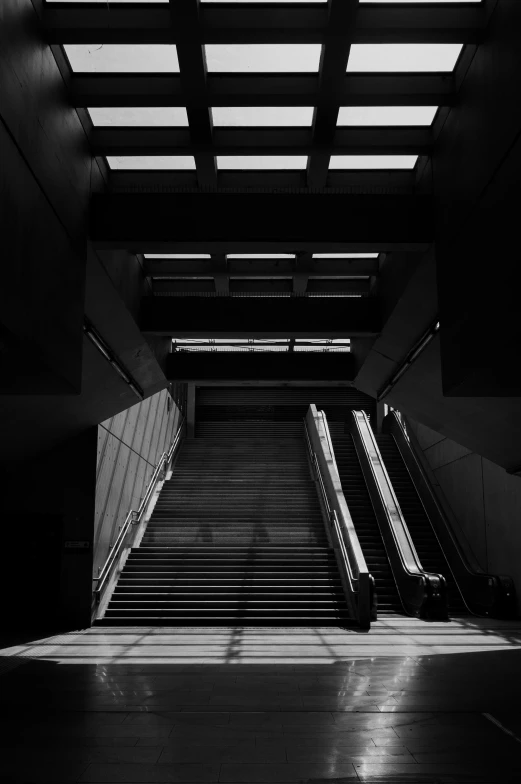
[
  {"x": 177, "y": 256},
  {"x": 260, "y": 256},
  {"x": 263, "y": 58},
  {"x": 400, "y": 58},
  {"x": 122, "y": 58},
  {"x": 250, "y": 2},
  {"x": 386, "y": 115},
  {"x": 262, "y": 161},
  {"x": 262, "y": 115},
  {"x": 78, "y": 2},
  {"x": 413, "y": 2},
  {"x": 152, "y": 162},
  {"x": 373, "y": 161},
  {"x": 139, "y": 116},
  {"x": 345, "y": 255}
]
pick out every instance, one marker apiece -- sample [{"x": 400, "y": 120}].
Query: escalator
[
  {"x": 424, "y": 539},
  {"x": 364, "y": 519},
  {"x": 433, "y": 530}
]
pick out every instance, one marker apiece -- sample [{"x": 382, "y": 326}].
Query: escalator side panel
[
  {"x": 364, "y": 520},
  {"x": 425, "y": 541},
  {"x": 484, "y": 594}
]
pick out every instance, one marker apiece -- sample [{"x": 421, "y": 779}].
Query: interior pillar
[{"x": 190, "y": 411}]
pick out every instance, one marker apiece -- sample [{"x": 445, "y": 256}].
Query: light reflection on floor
[{"x": 397, "y": 637}]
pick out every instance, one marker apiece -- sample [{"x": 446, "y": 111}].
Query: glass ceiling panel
[
  {"x": 249, "y": 2},
  {"x": 152, "y": 162},
  {"x": 386, "y": 115},
  {"x": 262, "y": 161},
  {"x": 249, "y": 344},
  {"x": 418, "y": 2},
  {"x": 345, "y": 255},
  {"x": 373, "y": 161},
  {"x": 410, "y": 2},
  {"x": 139, "y": 116},
  {"x": 262, "y": 115},
  {"x": 122, "y": 58},
  {"x": 263, "y": 58},
  {"x": 260, "y": 256},
  {"x": 399, "y": 58}
]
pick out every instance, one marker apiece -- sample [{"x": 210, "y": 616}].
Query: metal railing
[
  {"x": 359, "y": 584},
  {"x": 135, "y": 516}
]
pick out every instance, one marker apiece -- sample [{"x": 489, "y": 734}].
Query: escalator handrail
[
  {"x": 422, "y": 593},
  {"x": 461, "y": 562},
  {"x": 402, "y": 538},
  {"x": 342, "y": 531},
  {"x": 395, "y": 427}
]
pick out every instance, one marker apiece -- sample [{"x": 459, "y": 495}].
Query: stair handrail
[
  {"x": 134, "y": 516},
  {"x": 422, "y": 593},
  {"x": 483, "y": 593},
  {"x": 358, "y": 583}
]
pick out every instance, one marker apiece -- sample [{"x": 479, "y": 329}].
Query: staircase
[
  {"x": 236, "y": 536},
  {"x": 427, "y": 546},
  {"x": 364, "y": 520}
]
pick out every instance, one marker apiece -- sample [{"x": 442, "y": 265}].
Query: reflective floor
[{"x": 408, "y": 702}]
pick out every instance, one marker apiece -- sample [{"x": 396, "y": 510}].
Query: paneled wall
[
  {"x": 485, "y": 499},
  {"x": 129, "y": 447}
]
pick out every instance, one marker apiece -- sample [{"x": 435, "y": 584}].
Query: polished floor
[{"x": 408, "y": 702}]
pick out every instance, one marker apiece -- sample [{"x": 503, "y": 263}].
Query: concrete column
[
  {"x": 381, "y": 410},
  {"x": 190, "y": 411}
]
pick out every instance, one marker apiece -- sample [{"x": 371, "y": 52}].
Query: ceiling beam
[
  {"x": 192, "y": 64},
  {"x": 262, "y": 90},
  {"x": 333, "y": 63},
  {"x": 258, "y": 141},
  {"x": 149, "y": 23},
  {"x": 398, "y": 182},
  {"x": 315, "y": 366},
  {"x": 255, "y": 317},
  {"x": 274, "y": 268},
  {"x": 242, "y": 223}
]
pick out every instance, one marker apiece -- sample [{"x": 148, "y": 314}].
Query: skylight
[
  {"x": 345, "y": 255},
  {"x": 260, "y": 256},
  {"x": 403, "y": 57},
  {"x": 177, "y": 256},
  {"x": 154, "y": 162},
  {"x": 137, "y": 116},
  {"x": 262, "y": 161},
  {"x": 122, "y": 58},
  {"x": 386, "y": 115},
  {"x": 263, "y": 58},
  {"x": 262, "y": 115},
  {"x": 373, "y": 161},
  {"x": 404, "y": 2},
  {"x": 249, "y": 2}
]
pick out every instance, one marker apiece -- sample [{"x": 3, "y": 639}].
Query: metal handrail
[
  {"x": 421, "y": 592},
  {"x": 134, "y": 516},
  {"x": 402, "y": 537},
  {"x": 359, "y": 583},
  {"x": 333, "y": 519}
]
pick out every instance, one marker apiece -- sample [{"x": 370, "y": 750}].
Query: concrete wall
[
  {"x": 129, "y": 447},
  {"x": 54, "y": 383},
  {"x": 485, "y": 499},
  {"x": 48, "y": 509}
]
